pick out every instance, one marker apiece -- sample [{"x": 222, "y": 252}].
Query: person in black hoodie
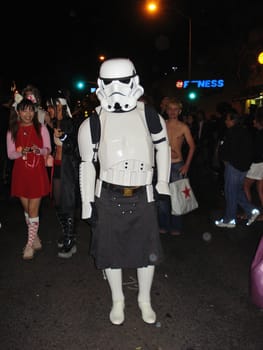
[{"x": 236, "y": 151}]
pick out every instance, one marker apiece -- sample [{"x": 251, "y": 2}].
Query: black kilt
[{"x": 126, "y": 234}]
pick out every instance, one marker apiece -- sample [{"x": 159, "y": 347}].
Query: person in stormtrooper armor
[{"x": 129, "y": 139}]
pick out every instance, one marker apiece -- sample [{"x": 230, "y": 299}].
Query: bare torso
[{"x": 176, "y": 135}]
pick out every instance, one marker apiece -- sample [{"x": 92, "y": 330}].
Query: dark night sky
[{"x": 52, "y": 45}]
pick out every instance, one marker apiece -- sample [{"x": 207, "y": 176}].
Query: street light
[
  {"x": 260, "y": 58},
  {"x": 102, "y": 58},
  {"x": 152, "y": 7}
]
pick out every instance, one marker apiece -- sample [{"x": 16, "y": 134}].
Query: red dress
[{"x": 29, "y": 175}]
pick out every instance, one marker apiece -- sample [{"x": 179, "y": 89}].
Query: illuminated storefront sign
[{"x": 214, "y": 83}]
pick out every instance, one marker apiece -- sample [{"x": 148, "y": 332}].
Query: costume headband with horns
[{"x": 59, "y": 100}]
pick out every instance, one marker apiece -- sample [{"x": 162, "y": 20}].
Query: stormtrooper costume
[{"x": 129, "y": 139}]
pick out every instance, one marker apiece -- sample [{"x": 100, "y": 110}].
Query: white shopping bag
[{"x": 182, "y": 197}]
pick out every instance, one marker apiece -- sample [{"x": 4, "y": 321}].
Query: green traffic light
[
  {"x": 192, "y": 95},
  {"x": 80, "y": 85}
]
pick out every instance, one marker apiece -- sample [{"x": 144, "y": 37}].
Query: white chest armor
[{"x": 126, "y": 151}]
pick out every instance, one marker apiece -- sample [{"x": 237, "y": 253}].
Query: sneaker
[
  {"x": 69, "y": 248},
  {"x": 222, "y": 223},
  {"x": 254, "y": 214}
]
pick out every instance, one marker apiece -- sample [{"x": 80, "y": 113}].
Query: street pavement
[{"x": 200, "y": 291}]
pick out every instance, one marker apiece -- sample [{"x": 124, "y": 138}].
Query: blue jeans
[
  {"x": 234, "y": 193},
  {"x": 167, "y": 221}
]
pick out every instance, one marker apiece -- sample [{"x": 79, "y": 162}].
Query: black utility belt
[{"x": 125, "y": 191}]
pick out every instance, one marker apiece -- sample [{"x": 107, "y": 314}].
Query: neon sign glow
[{"x": 208, "y": 84}]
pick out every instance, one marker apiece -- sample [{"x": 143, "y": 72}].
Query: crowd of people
[
  {"x": 195, "y": 139},
  {"x": 198, "y": 142},
  {"x": 227, "y": 145},
  {"x": 113, "y": 157},
  {"x": 42, "y": 160}
]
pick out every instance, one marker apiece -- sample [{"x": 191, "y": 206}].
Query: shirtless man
[{"x": 178, "y": 133}]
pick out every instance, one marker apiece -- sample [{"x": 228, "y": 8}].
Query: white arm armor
[
  {"x": 163, "y": 159},
  {"x": 87, "y": 172}
]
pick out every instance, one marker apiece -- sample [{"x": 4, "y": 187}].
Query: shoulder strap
[
  {"x": 95, "y": 128},
  {"x": 151, "y": 116},
  {"x": 152, "y": 119}
]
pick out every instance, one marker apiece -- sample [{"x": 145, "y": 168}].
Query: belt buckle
[{"x": 127, "y": 192}]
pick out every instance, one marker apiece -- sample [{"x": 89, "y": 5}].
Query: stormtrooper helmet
[{"x": 118, "y": 85}]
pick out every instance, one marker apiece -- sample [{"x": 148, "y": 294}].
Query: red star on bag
[{"x": 186, "y": 192}]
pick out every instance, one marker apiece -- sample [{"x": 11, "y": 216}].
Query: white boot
[
  {"x": 145, "y": 278},
  {"x": 29, "y": 250},
  {"x": 114, "y": 277},
  {"x": 36, "y": 245},
  {"x": 36, "y": 240}
]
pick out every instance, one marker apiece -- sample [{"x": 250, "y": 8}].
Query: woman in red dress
[{"x": 28, "y": 142}]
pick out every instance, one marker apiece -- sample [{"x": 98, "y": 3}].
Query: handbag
[
  {"x": 183, "y": 199},
  {"x": 31, "y": 160},
  {"x": 256, "y": 276}
]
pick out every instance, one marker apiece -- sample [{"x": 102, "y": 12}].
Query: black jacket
[
  {"x": 70, "y": 196},
  {"x": 237, "y": 147}
]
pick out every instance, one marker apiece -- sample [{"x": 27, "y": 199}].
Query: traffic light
[
  {"x": 192, "y": 95},
  {"x": 80, "y": 85}
]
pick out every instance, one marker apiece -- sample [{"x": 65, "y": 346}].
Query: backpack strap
[
  {"x": 151, "y": 116},
  {"x": 95, "y": 127},
  {"x": 152, "y": 119},
  {"x": 95, "y": 130}
]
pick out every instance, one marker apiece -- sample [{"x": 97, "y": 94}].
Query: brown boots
[{"x": 28, "y": 252}]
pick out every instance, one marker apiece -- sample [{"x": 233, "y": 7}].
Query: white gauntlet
[{"x": 163, "y": 159}]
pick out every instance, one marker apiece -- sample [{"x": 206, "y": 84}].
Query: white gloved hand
[
  {"x": 86, "y": 210},
  {"x": 163, "y": 188}
]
